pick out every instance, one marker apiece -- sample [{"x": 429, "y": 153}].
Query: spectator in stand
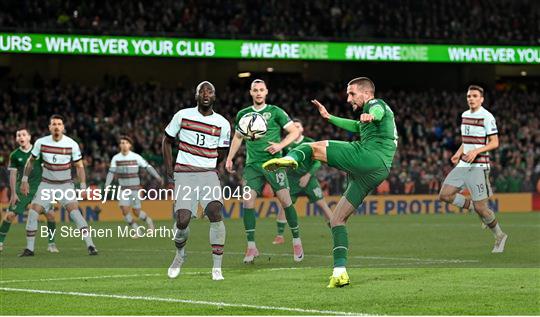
[
  {"x": 427, "y": 140},
  {"x": 468, "y": 21}
]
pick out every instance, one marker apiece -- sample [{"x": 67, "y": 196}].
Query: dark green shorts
[
  {"x": 255, "y": 177},
  {"x": 20, "y": 207},
  {"x": 312, "y": 190},
  {"x": 365, "y": 167}
]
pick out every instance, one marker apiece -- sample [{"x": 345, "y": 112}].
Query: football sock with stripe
[
  {"x": 217, "y": 241},
  {"x": 4, "y": 229},
  {"x": 249, "y": 223},
  {"x": 51, "y": 229},
  {"x": 301, "y": 153},
  {"x": 462, "y": 202},
  {"x": 31, "y": 228},
  {"x": 492, "y": 224},
  {"x": 82, "y": 225},
  {"x": 180, "y": 238},
  {"x": 341, "y": 245},
  {"x": 292, "y": 220},
  {"x": 142, "y": 215},
  {"x": 280, "y": 227}
]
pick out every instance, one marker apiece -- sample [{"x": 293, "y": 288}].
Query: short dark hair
[
  {"x": 363, "y": 82},
  {"x": 477, "y": 88},
  {"x": 257, "y": 81},
  {"x": 57, "y": 116},
  {"x": 22, "y": 128},
  {"x": 127, "y": 138},
  {"x": 296, "y": 119}
]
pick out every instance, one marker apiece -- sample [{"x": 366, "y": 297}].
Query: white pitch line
[
  {"x": 94, "y": 277},
  {"x": 364, "y": 257},
  {"x": 184, "y": 301}
]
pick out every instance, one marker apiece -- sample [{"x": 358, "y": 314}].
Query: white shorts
[
  {"x": 192, "y": 189},
  {"x": 132, "y": 199},
  {"x": 44, "y": 194},
  {"x": 475, "y": 179}
]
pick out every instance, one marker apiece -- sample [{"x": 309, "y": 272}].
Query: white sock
[
  {"x": 460, "y": 201},
  {"x": 497, "y": 232},
  {"x": 217, "y": 240},
  {"x": 149, "y": 221},
  {"x": 338, "y": 271},
  {"x": 296, "y": 241},
  {"x": 180, "y": 252},
  {"x": 128, "y": 218},
  {"x": 31, "y": 228},
  {"x": 251, "y": 244},
  {"x": 82, "y": 225},
  {"x": 180, "y": 237},
  {"x": 142, "y": 215}
]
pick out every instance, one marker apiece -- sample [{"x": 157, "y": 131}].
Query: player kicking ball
[
  {"x": 302, "y": 181},
  {"x": 479, "y": 135},
  {"x": 18, "y": 202},
  {"x": 58, "y": 153},
  {"x": 203, "y": 139},
  {"x": 254, "y": 176},
  {"x": 125, "y": 166},
  {"x": 367, "y": 162}
]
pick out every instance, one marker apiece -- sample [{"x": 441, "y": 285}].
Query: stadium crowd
[
  {"x": 428, "y": 126},
  {"x": 469, "y": 21}
]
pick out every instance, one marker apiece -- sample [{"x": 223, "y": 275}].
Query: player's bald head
[
  {"x": 363, "y": 84},
  {"x": 204, "y": 84}
]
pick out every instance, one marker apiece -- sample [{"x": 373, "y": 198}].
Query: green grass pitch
[{"x": 403, "y": 265}]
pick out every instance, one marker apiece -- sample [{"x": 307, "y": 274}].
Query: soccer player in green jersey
[
  {"x": 302, "y": 181},
  {"x": 259, "y": 151},
  {"x": 18, "y": 202},
  {"x": 367, "y": 161}
]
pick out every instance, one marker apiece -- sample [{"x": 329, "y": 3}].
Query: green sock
[
  {"x": 280, "y": 227},
  {"x": 301, "y": 153},
  {"x": 51, "y": 227},
  {"x": 341, "y": 245},
  {"x": 292, "y": 220},
  {"x": 249, "y": 223},
  {"x": 4, "y": 228}
]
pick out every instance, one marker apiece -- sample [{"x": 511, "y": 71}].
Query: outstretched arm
[{"x": 347, "y": 124}]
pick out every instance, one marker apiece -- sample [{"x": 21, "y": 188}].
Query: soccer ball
[{"x": 252, "y": 126}]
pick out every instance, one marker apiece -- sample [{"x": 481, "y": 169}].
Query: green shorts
[
  {"x": 255, "y": 177},
  {"x": 20, "y": 207},
  {"x": 312, "y": 190},
  {"x": 365, "y": 167}
]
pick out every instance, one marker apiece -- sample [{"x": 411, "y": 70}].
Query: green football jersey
[
  {"x": 17, "y": 160},
  {"x": 276, "y": 119},
  {"x": 305, "y": 166},
  {"x": 380, "y": 136}
]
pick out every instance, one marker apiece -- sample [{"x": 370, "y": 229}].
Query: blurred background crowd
[
  {"x": 428, "y": 124},
  {"x": 468, "y": 21}
]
